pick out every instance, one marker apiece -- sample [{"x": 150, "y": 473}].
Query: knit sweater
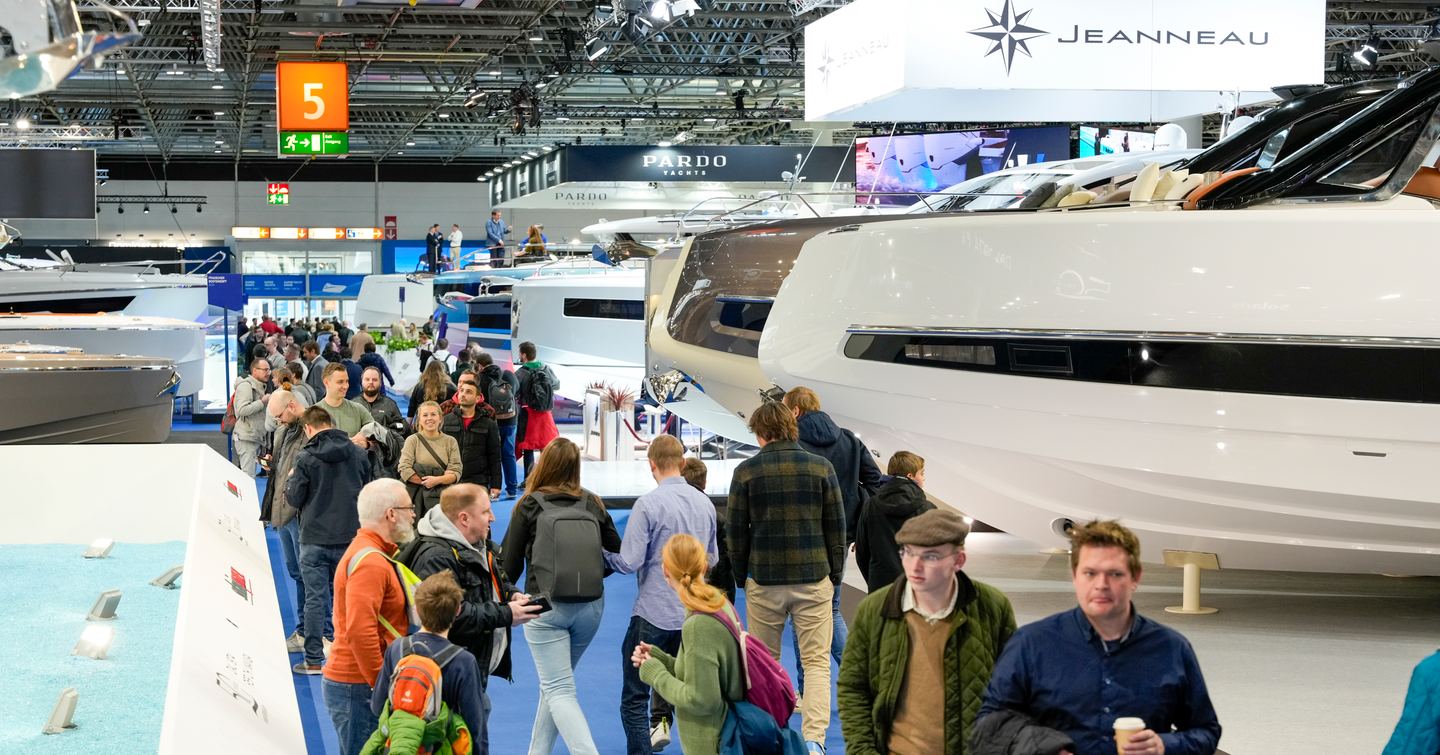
[
  {"x": 360, "y": 598},
  {"x": 700, "y": 682}
]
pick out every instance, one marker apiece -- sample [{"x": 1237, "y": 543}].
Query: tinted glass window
[{"x": 613, "y": 309}]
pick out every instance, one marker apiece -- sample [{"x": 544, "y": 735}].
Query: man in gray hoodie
[
  {"x": 251, "y": 395},
  {"x": 455, "y": 536}
]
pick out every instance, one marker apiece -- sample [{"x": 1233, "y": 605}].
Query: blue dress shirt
[
  {"x": 670, "y": 509},
  {"x": 1062, "y": 674}
]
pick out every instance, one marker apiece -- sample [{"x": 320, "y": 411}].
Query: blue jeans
[
  {"x": 317, "y": 570},
  {"x": 508, "y": 468},
  {"x": 837, "y": 644},
  {"x": 636, "y": 713},
  {"x": 290, "y": 550},
  {"x": 480, "y": 731},
  {"x": 557, "y": 640},
  {"x": 349, "y": 706}
]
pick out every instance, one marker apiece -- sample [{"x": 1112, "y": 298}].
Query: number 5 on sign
[{"x": 312, "y": 96}]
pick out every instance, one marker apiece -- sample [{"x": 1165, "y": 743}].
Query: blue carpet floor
[{"x": 597, "y": 676}]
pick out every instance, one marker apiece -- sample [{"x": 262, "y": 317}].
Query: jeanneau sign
[{"x": 1053, "y": 59}]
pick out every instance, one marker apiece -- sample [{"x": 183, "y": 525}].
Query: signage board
[
  {"x": 1053, "y": 59},
  {"x": 249, "y": 232},
  {"x": 225, "y": 290},
  {"x": 336, "y": 286},
  {"x": 692, "y": 163},
  {"x": 392, "y": 228},
  {"x": 277, "y": 193},
  {"x": 275, "y": 286},
  {"x": 314, "y": 143},
  {"x": 312, "y": 96},
  {"x": 364, "y": 234},
  {"x": 326, "y": 234}
]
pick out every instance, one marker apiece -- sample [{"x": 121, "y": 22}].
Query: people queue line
[{"x": 932, "y": 662}]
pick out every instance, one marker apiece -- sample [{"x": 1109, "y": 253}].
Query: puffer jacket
[
  {"x": 872, "y": 674},
  {"x": 479, "y": 447},
  {"x": 1006, "y": 732},
  {"x": 401, "y": 733},
  {"x": 851, "y": 459},
  {"x": 1418, "y": 732},
  {"x": 880, "y": 518}
]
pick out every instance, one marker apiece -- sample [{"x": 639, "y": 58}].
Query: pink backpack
[{"x": 767, "y": 686}]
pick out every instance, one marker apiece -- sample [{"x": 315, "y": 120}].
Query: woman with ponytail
[{"x": 707, "y": 675}]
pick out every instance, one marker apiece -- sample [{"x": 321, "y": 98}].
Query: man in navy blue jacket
[{"x": 1079, "y": 670}]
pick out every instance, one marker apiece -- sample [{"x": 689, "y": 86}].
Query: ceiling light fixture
[
  {"x": 536, "y": 35},
  {"x": 444, "y": 115},
  {"x": 217, "y": 86},
  {"x": 684, "y": 7},
  {"x": 595, "y": 47},
  {"x": 409, "y": 144},
  {"x": 147, "y": 209},
  {"x": 1369, "y": 53},
  {"x": 660, "y": 11},
  {"x": 22, "y": 123},
  {"x": 664, "y": 144}
]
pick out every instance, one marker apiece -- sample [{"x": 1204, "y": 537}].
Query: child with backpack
[
  {"x": 414, "y": 720},
  {"x": 565, "y": 537},
  {"x": 725, "y": 685}
]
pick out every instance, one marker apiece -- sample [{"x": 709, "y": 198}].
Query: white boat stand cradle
[{"x": 1192, "y": 562}]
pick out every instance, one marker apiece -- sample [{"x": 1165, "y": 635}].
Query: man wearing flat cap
[{"x": 921, "y": 650}]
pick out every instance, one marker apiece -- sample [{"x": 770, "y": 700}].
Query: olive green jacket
[
  {"x": 702, "y": 682},
  {"x": 877, "y": 654}
]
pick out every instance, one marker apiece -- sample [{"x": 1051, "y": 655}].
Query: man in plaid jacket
[{"x": 786, "y": 527}]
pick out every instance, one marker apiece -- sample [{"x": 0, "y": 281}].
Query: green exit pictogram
[{"x": 314, "y": 143}]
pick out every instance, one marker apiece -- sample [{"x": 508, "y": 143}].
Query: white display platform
[
  {"x": 631, "y": 479},
  {"x": 230, "y": 688}
]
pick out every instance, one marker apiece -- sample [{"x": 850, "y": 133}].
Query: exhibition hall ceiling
[{"x": 527, "y": 69}]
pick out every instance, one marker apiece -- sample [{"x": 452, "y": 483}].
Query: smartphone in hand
[{"x": 543, "y": 601}]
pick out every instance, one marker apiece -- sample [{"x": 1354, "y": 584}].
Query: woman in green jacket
[{"x": 707, "y": 675}]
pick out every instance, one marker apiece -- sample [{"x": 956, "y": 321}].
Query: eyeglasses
[
  {"x": 929, "y": 557},
  {"x": 404, "y": 508}
]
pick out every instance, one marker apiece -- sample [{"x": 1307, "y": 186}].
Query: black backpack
[
  {"x": 501, "y": 397},
  {"x": 540, "y": 388},
  {"x": 566, "y": 557}
]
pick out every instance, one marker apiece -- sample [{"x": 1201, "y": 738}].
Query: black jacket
[
  {"x": 325, "y": 485},
  {"x": 852, "y": 461},
  {"x": 493, "y": 374},
  {"x": 1009, "y": 733},
  {"x": 479, "y": 448},
  {"x": 373, "y": 359},
  {"x": 481, "y": 612},
  {"x": 882, "y": 516},
  {"x": 386, "y": 412}
]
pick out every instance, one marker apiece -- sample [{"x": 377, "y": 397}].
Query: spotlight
[
  {"x": 147, "y": 209},
  {"x": 660, "y": 11},
  {"x": 97, "y": 209},
  {"x": 62, "y": 714},
  {"x": 168, "y": 579},
  {"x": 100, "y": 548},
  {"x": 637, "y": 28},
  {"x": 105, "y": 605},
  {"x": 199, "y": 209},
  {"x": 1369, "y": 53},
  {"x": 94, "y": 641},
  {"x": 684, "y": 7},
  {"x": 120, "y": 210},
  {"x": 173, "y": 210},
  {"x": 595, "y": 47}
]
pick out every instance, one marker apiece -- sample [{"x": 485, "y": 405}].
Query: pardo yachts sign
[
  {"x": 683, "y": 165},
  {"x": 690, "y": 163},
  {"x": 869, "y": 50}
]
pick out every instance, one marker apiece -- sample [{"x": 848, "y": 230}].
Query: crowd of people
[{"x": 396, "y": 564}]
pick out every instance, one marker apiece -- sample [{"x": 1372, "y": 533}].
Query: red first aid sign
[{"x": 312, "y": 96}]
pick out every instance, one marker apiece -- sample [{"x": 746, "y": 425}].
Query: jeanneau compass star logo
[{"x": 1009, "y": 33}]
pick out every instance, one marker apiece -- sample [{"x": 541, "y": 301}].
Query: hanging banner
[{"x": 1053, "y": 59}]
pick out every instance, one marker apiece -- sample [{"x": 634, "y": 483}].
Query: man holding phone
[{"x": 456, "y": 535}]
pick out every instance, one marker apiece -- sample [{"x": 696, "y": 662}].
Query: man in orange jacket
[{"x": 370, "y": 609}]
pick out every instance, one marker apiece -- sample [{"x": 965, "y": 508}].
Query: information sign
[
  {"x": 277, "y": 193},
  {"x": 312, "y": 96}
]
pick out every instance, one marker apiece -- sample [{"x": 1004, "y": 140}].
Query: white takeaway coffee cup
[{"x": 1125, "y": 728}]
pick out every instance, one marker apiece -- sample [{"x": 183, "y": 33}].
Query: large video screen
[
  {"x": 47, "y": 183},
  {"x": 899, "y": 170},
  {"x": 1100, "y": 140}
]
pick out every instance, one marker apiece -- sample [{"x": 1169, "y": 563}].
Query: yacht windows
[
  {"x": 611, "y": 309},
  {"x": 1366, "y": 171},
  {"x": 951, "y": 352}
]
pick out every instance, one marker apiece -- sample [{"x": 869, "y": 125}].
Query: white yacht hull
[
  {"x": 176, "y": 341},
  {"x": 1267, "y": 481},
  {"x": 378, "y": 304},
  {"x": 72, "y": 292},
  {"x": 84, "y": 398},
  {"x": 601, "y": 339}
]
